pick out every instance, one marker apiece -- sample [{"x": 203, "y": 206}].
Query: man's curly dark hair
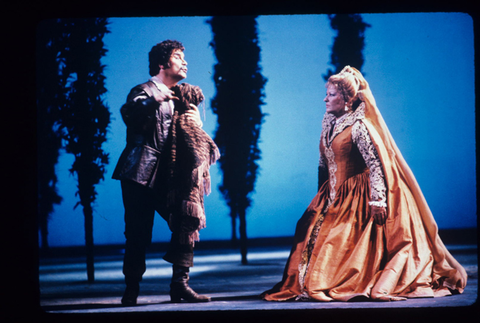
[{"x": 160, "y": 54}]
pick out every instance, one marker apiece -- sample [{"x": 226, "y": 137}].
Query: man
[{"x": 141, "y": 168}]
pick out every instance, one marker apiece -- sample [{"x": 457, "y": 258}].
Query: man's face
[{"x": 177, "y": 66}]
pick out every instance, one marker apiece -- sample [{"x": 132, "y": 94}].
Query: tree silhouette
[
  {"x": 237, "y": 102},
  {"x": 49, "y": 92},
  {"x": 348, "y": 44},
  {"x": 84, "y": 118}
]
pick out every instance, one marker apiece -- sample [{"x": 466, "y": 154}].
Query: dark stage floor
[{"x": 234, "y": 287}]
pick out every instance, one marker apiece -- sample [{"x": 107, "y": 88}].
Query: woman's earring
[{"x": 346, "y": 107}]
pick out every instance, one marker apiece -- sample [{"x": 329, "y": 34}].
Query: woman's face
[{"x": 334, "y": 101}]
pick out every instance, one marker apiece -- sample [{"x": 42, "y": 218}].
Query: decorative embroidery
[
  {"x": 302, "y": 297},
  {"x": 306, "y": 254},
  {"x": 378, "y": 203},
  {"x": 332, "y": 169},
  {"x": 364, "y": 143},
  {"x": 341, "y": 123},
  {"x": 361, "y": 138}
]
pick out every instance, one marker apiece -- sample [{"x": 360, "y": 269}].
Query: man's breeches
[{"x": 140, "y": 205}]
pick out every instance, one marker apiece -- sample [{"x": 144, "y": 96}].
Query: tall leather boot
[
  {"x": 131, "y": 293},
  {"x": 179, "y": 287}
]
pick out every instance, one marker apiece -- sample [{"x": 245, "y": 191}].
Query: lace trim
[
  {"x": 303, "y": 297},
  {"x": 361, "y": 138},
  {"x": 377, "y": 203},
  {"x": 306, "y": 255},
  {"x": 332, "y": 170},
  {"x": 339, "y": 125}
]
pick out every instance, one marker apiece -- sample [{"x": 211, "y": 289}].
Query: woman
[{"x": 369, "y": 231}]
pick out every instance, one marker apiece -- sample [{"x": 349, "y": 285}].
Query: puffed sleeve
[
  {"x": 362, "y": 140},
  {"x": 322, "y": 171}
]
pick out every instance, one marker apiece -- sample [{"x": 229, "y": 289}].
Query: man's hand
[
  {"x": 164, "y": 96},
  {"x": 379, "y": 214},
  {"x": 194, "y": 115}
]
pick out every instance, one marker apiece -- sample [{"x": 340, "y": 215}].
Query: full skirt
[{"x": 339, "y": 253}]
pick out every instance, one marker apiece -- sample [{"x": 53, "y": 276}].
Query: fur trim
[{"x": 192, "y": 154}]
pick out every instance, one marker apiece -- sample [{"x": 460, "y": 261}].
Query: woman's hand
[
  {"x": 194, "y": 115},
  {"x": 379, "y": 214}
]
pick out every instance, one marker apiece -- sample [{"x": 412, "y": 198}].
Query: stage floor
[{"x": 218, "y": 273}]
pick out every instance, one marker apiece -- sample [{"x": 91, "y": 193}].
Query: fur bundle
[{"x": 192, "y": 154}]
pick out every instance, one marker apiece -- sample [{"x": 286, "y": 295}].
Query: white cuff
[{"x": 377, "y": 203}]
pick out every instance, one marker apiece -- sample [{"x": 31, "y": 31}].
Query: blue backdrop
[{"x": 420, "y": 67}]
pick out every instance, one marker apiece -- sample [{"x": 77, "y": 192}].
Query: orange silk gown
[{"x": 340, "y": 253}]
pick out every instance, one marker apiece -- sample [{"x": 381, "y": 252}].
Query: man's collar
[{"x": 159, "y": 84}]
